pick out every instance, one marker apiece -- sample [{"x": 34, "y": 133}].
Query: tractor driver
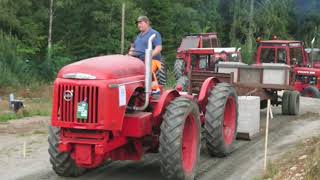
[{"x": 141, "y": 44}]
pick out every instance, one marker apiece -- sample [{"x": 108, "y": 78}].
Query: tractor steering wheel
[{"x": 137, "y": 54}]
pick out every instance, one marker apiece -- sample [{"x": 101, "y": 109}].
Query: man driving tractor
[{"x": 141, "y": 44}]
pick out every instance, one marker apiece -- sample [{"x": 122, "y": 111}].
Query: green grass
[{"x": 37, "y": 102}]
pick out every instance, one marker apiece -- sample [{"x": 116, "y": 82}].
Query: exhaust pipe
[{"x": 148, "y": 74}]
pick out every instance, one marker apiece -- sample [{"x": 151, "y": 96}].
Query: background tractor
[
  {"x": 267, "y": 78},
  {"x": 201, "y": 40},
  {"x": 103, "y": 110},
  {"x": 304, "y": 63}
]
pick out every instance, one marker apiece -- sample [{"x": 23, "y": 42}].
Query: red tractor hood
[
  {"x": 105, "y": 67},
  {"x": 307, "y": 71}
]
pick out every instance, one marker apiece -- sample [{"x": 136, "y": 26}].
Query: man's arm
[{"x": 157, "y": 50}]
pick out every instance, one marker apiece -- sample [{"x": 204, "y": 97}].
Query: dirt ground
[{"x": 244, "y": 163}]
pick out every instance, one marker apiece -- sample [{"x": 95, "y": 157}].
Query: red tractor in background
[
  {"x": 308, "y": 79},
  {"x": 260, "y": 79},
  {"x": 103, "y": 110},
  {"x": 293, "y": 53},
  {"x": 203, "y": 59},
  {"x": 201, "y": 40}
]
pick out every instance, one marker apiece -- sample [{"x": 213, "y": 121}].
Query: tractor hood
[
  {"x": 103, "y": 68},
  {"x": 307, "y": 71}
]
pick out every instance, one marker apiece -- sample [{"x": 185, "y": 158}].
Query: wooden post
[
  {"x": 50, "y": 29},
  {"x": 251, "y": 26},
  {"x": 267, "y": 136},
  {"x": 122, "y": 27}
]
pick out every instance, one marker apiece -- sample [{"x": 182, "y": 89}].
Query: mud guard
[
  {"x": 206, "y": 88},
  {"x": 166, "y": 98}
]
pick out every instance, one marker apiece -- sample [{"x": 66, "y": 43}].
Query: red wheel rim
[
  {"x": 189, "y": 144},
  {"x": 229, "y": 123}
]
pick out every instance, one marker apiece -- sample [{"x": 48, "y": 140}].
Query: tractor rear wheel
[
  {"x": 221, "y": 120},
  {"x": 180, "y": 139},
  {"x": 311, "y": 91},
  {"x": 62, "y": 163},
  {"x": 294, "y": 103},
  {"x": 162, "y": 74},
  {"x": 285, "y": 103},
  {"x": 183, "y": 82},
  {"x": 179, "y": 66}
]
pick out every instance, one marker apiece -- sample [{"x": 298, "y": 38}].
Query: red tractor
[
  {"x": 204, "y": 59},
  {"x": 202, "y": 40},
  {"x": 266, "y": 78},
  {"x": 103, "y": 110},
  {"x": 293, "y": 53}
]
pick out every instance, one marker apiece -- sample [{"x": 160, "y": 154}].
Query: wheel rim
[
  {"x": 229, "y": 123},
  {"x": 189, "y": 144}
]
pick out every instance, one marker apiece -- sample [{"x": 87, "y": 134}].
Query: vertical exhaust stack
[
  {"x": 148, "y": 76},
  {"x": 312, "y": 49}
]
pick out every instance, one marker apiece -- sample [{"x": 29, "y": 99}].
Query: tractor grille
[
  {"x": 312, "y": 80},
  {"x": 67, "y": 110}
]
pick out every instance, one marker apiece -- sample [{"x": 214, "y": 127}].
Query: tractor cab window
[
  {"x": 214, "y": 42},
  {"x": 282, "y": 56},
  {"x": 206, "y": 43},
  {"x": 267, "y": 55},
  {"x": 296, "y": 57},
  {"x": 189, "y": 42},
  {"x": 200, "y": 61}
]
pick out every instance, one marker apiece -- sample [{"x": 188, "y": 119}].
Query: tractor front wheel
[
  {"x": 62, "y": 163},
  {"x": 180, "y": 139},
  {"x": 221, "y": 120},
  {"x": 311, "y": 91},
  {"x": 294, "y": 103},
  {"x": 290, "y": 103},
  {"x": 285, "y": 102}
]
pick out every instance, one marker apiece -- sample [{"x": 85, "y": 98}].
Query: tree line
[{"x": 82, "y": 29}]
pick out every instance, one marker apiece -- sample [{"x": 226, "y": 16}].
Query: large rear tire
[
  {"x": 311, "y": 91},
  {"x": 179, "y": 66},
  {"x": 162, "y": 74},
  {"x": 62, "y": 163},
  {"x": 180, "y": 140},
  {"x": 221, "y": 120}
]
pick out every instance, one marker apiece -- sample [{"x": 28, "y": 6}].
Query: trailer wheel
[
  {"x": 162, "y": 74},
  {"x": 294, "y": 103},
  {"x": 311, "y": 91},
  {"x": 221, "y": 120},
  {"x": 285, "y": 103},
  {"x": 180, "y": 139},
  {"x": 183, "y": 82},
  {"x": 62, "y": 163},
  {"x": 179, "y": 66}
]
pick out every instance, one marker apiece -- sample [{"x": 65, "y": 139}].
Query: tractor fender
[
  {"x": 206, "y": 87},
  {"x": 166, "y": 98}
]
